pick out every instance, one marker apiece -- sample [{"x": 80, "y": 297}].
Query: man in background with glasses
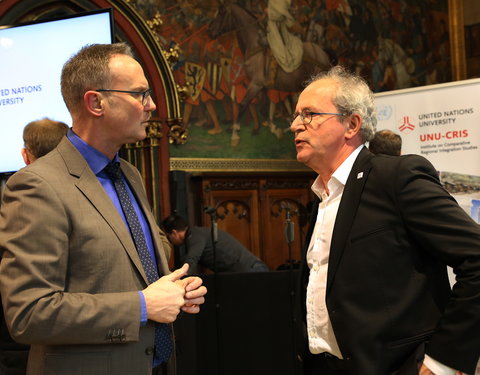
[
  {"x": 84, "y": 277},
  {"x": 375, "y": 296}
]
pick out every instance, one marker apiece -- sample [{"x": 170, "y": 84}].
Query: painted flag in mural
[
  {"x": 214, "y": 74},
  {"x": 195, "y": 77}
]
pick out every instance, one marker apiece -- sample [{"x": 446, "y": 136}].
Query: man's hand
[
  {"x": 424, "y": 370},
  {"x": 194, "y": 293},
  {"x": 165, "y": 297}
]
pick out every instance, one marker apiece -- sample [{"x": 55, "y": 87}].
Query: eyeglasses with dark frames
[
  {"x": 307, "y": 116},
  {"x": 145, "y": 94}
]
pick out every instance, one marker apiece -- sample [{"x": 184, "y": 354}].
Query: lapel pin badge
[{"x": 360, "y": 175}]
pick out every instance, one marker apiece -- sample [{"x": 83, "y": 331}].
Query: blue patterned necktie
[{"x": 163, "y": 336}]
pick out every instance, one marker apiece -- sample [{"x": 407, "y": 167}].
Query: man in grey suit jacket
[
  {"x": 72, "y": 282},
  {"x": 375, "y": 297}
]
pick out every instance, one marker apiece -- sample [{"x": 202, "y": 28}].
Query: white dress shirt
[{"x": 321, "y": 337}]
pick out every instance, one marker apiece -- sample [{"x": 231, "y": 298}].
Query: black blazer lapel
[{"x": 346, "y": 212}]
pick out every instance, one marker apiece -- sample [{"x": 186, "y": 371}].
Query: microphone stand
[
  {"x": 212, "y": 211},
  {"x": 289, "y": 232},
  {"x": 289, "y": 237},
  {"x": 214, "y": 233}
]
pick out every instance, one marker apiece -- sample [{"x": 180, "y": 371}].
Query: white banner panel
[{"x": 442, "y": 123}]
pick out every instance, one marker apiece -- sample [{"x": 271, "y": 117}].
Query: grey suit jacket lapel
[
  {"x": 89, "y": 185},
  {"x": 346, "y": 211}
]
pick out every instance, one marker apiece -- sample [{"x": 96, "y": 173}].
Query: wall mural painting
[{"x": 245, "y": 61}]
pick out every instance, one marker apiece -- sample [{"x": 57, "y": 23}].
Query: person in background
[
  {"x": 230, "y": 255},
  {"x": 40, "y": 137},
  {"x": 84, "y": 278},
  {"x": 375, "y": 295},
  {"x": 386, "y": 142}
]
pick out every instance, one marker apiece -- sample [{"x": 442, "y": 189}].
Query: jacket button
[{"x": 149, "y": 350}]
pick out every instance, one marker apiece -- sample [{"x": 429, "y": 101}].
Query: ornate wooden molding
[
  {"x": 280, "y": 184},
  {"x": 233, "y": 207},
  {"x": 457, "y": 40},
  {"x": 177, "y": 133},
  {"x": 237, "y": 165},
  {"x": 290, "y": 206},
  {"x": 232, "y": 185}
]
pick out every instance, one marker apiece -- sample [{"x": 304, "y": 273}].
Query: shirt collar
[
  {"x": 340, "y": 175},
  {"x": 95, "y": 159},
  {"x": 342, "y": 172}
]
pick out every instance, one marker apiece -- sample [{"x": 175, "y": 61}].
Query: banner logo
[
  {"x": 384, "y": 113},
  {"x": 406, "y": 125}
]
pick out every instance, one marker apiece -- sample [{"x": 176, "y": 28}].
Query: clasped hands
[{"x": 170, "y": 294}]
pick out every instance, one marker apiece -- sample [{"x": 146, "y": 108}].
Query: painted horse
[{"x": 231, "y": 17}]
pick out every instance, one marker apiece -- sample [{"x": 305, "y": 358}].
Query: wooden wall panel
[
  {"x": 280, "y": 207},
  {"x": 254, "y": 210},
  {"x": 237, "y": 213}
]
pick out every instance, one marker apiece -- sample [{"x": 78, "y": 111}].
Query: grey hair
[
  {"x": 352, "y": 96},
  {"x": 87, "y": 70}
]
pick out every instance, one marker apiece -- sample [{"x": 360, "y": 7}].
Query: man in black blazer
[{"x": 375, "y": 296}]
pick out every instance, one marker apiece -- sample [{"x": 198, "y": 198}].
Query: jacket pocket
[
  {"x": 401, "y": 357},
  {"x": 407, "y": 341}
]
